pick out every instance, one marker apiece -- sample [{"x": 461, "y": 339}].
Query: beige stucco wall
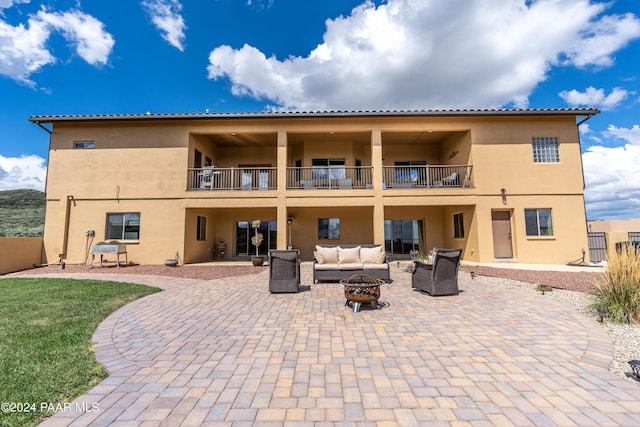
[
  {"x": 19, "y": 253},
  {"x": 615, "y": 230},
  {"x": 142, "y": 167},
  {"x": 568, "y": 227},
  {"x": 616, "y": 225},
  {"x": 161, "y": 232}
]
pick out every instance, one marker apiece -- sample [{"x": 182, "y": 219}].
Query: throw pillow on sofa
[
  {"x": 319, "y": 257},
  {"x": 330, "y": 254},
  {"x": 370, "y": 255},
  {"x": 382, "y": 258},
  {"x": 349, "y": 255}
]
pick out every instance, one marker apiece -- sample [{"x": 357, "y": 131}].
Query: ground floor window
[
  {"x": 244, "y": 233},
  {"x": 458, "y": 226},
  {"x": 538, "y": 222},
  {"x": 123, "y": 226},
  {"x": 329, "y": 228},
  {"x": 201, "y": 228},
  {"x": 402, "y": 236}
]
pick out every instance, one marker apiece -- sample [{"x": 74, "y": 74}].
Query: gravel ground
[
  {"x": 571, "y": 288},
  {"x": 570, "y": 280}
]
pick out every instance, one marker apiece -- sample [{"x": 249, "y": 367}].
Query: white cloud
[
  {"x": 612, "y": 176},
  {"x": 93, "y": 43},
  {"x": 260, "y": 3},
  {"x": 22, "y": 172},
  {"x": 23, "y": 49},
  {"x": 166, "y": 16},
  {"x": 623, "y": 134},
  {"x": 5, "y": 4},
  {"x": 417, "y": 54},
  {"x": 593, "y": 97}
]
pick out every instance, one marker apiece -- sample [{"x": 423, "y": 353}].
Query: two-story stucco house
[{"x": 500, "y": 184}]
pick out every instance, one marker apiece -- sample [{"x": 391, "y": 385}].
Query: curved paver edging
[{"x": 227, "y": 351}]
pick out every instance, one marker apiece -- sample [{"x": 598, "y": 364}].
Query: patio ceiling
[{"x": 270, "y": 139}]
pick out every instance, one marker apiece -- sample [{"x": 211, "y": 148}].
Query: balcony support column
[
  {"x": 281, "y": 176},
  {"x": 378, "y": 203}
]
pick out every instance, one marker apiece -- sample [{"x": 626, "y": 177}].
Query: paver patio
[{"x": 227, "y": 352}]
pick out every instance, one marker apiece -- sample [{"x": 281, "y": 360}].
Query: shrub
[{"x": 619, "y": 293}]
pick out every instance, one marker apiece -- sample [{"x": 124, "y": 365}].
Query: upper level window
[
  {"x": 84, "y": 144},
  {"x": 545, "y": 149},
  {"x": 406, "y": 173},
  {"x": 123, "y": 226},
  {"x": 538, "y": 222},
  {"x": 328, "y": 169}
]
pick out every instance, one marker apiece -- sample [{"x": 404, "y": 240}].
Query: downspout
[
  {"x": 580, "y": 146},
  {"x": 46, "y": 179},
  {"x": 41, "y": 126},
  {"x": 584, "y": 202},
  {"x": 65, "y": 235},
  {"x": 584, "y": 120}
]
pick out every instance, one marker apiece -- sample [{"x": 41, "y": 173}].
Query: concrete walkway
[{"x": 227, "y": 352}]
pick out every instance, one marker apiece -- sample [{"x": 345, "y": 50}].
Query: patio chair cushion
[
  {"x": 329, "y": 253},
  {"x": 375, "y": 266},
  {"x": 370, "y": 255},
  {"x": 350, "y": 266},
  {"x": 327, "y": 267},
  {"x": 349, "y": 255}
]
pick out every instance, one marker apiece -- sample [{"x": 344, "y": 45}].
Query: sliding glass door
[
  {"x": 402, "y": 236},
  {"x": 244, "y": 233}
]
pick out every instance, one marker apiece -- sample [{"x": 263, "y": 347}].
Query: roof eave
[{"x": 576, "y": 112}]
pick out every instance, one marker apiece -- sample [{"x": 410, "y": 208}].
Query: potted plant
[{"x": 256, "y": 241}]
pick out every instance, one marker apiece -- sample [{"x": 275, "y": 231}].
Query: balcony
[
  {"x": 427, "y": 176},
  {"x": 212, "y": 179},
  {"x": 330, "y": 177}
]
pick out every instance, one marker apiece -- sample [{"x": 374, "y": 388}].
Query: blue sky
[{"x": 163, "y": 56}]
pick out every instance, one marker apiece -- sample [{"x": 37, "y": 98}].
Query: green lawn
[{"x": 46, "y": 327}]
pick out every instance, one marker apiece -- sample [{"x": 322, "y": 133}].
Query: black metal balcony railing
[
  {"x": 331, "y": 177},
  {"x": 232, "y": 179},
  {"x": 427, "y": 176}
]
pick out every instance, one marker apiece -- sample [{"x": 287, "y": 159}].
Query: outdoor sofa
[{"x": 333, "y": 263}]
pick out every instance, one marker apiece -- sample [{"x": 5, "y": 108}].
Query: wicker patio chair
[
  {"x": 441, "y": 277},
  {"x": 284, "y": 271}
]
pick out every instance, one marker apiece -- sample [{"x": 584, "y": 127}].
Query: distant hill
[{"x": 22, "y": 213}]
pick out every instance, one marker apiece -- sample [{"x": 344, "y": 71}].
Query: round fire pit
[{"x": 361, "y": 289}]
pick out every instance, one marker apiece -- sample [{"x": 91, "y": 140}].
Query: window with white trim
[
  {"x": 538, "y": 222},
  {"x": 545, "y": 149}
]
